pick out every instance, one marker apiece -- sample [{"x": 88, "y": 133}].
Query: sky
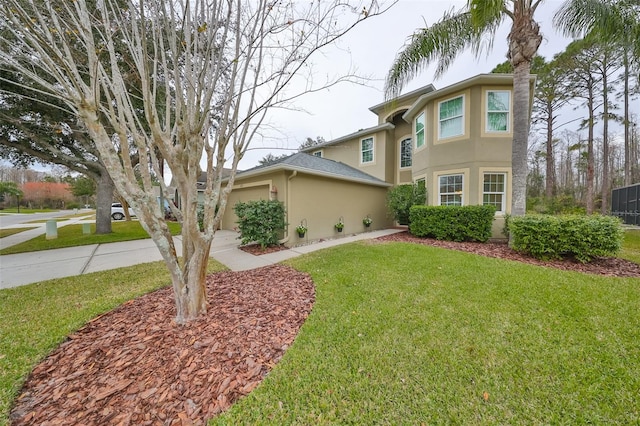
[{"x": 371, "y": 47}]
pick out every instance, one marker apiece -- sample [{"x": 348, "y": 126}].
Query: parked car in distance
[{"x": 117, "y": 211}]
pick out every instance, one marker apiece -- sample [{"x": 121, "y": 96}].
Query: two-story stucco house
[{"x": 457, "y": 140}]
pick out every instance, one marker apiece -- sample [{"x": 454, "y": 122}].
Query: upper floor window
[
  {"x": 493, "y": 190},
  {"x": 405, "y": 153},
  {"x": 450, "y": 190},
  {"x": 366, "y": 150},
  {"x": 451, "y": 118},
  {"x": 498, "y": 106},
  {"x": 317, "y": 154},
  {"x": 420, "y": 130}
]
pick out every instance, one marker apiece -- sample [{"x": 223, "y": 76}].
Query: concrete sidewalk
[
  {"x": 26, "y": 268},
  {"x": 238, "y": 260}
]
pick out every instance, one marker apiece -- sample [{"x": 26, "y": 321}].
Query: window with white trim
[
  {"x": 405, "y": 153},
  {"x": 493, "y": 190},
  {"x": 366, "y": 150},
  {"x": 498, "y": 107},
  {"x": 420, "y": 130},
  {"x": 451, "y": 118},
  {"x": 450, "y": 190},
  {"x": 317, "y": 154}
]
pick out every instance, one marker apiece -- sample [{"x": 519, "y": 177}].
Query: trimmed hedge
[
  {"x": 260, "y": 221},
  {"x": 401, "y": 198},
  {"x": 555, "y": 237},
  {"x": 453, "y": 223}
]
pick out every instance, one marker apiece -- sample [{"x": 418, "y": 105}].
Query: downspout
[{"x": 288, "y": 203}]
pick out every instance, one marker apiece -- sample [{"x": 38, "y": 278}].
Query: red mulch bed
[
  {"x": 136, "y": 366},
  {"x": 608, "y": 266}
]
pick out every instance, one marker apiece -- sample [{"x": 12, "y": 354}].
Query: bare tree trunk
[
  {"x": 627, "y": 147},
  {"x": 606, "y": 178},
  {"x": 590, "y": 159},
  {"x": 524, "y": 39},
  {"x": 550, "y": 183},
  {"x": 190, "y": 291},
  {"x": 635, "y": 155},
  {"x": 521, "y": 116},
  {"x": 104, "y": 197}
]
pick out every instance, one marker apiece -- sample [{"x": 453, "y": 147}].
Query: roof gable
[
  {"x": 355, "y": 135},
  {"x": 480, "y": 79},
  {"x": 399, "y": 100},
  {"x": 317, "y": 166}
]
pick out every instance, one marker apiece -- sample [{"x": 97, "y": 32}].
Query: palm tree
[
  {"x": 475, "y": 27},
  {"x": 614, "y": 20}
]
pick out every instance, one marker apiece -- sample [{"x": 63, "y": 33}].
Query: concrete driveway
[{"x": 27, "y": 268}]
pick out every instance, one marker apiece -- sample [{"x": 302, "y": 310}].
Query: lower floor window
[
  {"x": 450, "y": 190},
  {"x": 493, "y": 192}
]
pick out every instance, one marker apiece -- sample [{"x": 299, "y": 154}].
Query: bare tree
[
  {"x": 606, "y": 65},
  {"x": 551, "y": 95},
  {"x": 579, "y": 59},
  {"x": 629, "y": 62},
  {"x": 208, "y": 72}
]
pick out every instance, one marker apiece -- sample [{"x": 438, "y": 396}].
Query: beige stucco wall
[
  {"x": 348, "y": 152},
  {"x": 318, "y": 200},
  {"x": 471, "y": 154},
  {"x": 321, "y": 202},
  {"x": 251, "y": 189}
]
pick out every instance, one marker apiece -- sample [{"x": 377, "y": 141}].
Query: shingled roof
[{"x": 311, "y": 164}]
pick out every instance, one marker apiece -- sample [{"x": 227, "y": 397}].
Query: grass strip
[
  {"x": 631, "y": 246},
  {"x": 26, "y": 211},
  {"x": 87, "y": 215},
  {"x": 71, "y": 236},
  {"x": 10, "y": 231},
  {"x": 36, "y": 318},
  {"x": 407, "y": 334}
]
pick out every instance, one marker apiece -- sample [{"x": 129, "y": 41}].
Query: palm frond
[
  {"x": 486, "y": 11},
  {"x": 579, "y": 17},
  {"x": 441, "y": 42}
]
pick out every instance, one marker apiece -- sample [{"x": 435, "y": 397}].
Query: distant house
[{"x": 456, "y": 140}]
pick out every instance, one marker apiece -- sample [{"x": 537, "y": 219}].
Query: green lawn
[
  {"x": 631, "y": 245},
  {"x": 36, "y": 318},
  {"x": 71, "y": 235},
  {"x": 11, "y": 231},
  {"x": 25, "y": 210},
  {"x": 399, "y": 334},
  {"x": 407, "y": 334},
  {"x": 87, "y": 215}
]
